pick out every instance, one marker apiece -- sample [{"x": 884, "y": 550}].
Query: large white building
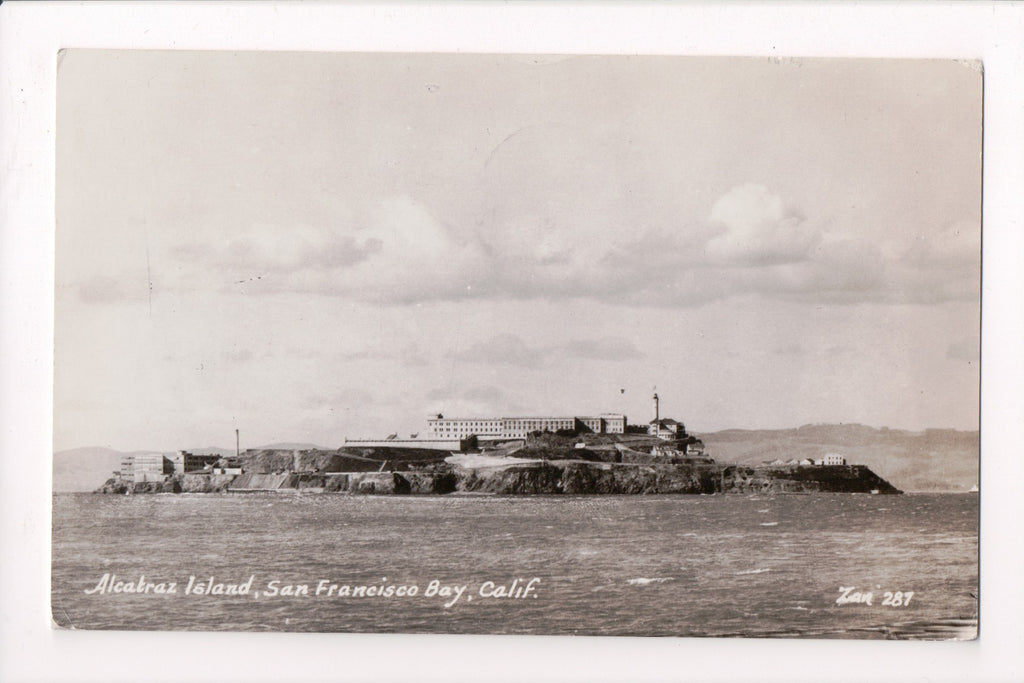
[{"x": 442, "y": 427}]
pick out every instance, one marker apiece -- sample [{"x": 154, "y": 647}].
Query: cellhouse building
[{"x": 441, "y": 427}]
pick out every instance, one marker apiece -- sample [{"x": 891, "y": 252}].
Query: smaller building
[
  {"x": 143, "y": 467},
  {"x": 127, "y": 471},
  {"x": 183, "y": 461},
  {"x": 666, "y": 428},
  {"x": 606, "y": 423}
]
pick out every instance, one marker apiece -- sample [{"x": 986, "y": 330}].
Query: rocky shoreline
[{"x": 571, "y": 477}]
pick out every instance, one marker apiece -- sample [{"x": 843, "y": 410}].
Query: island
[{"x": 510, "y": 456}]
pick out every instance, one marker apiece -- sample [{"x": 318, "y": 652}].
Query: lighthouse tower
[{"x": 657, "y": 416}]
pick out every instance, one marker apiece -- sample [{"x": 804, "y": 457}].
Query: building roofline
[{"x": 534, "y": 417}]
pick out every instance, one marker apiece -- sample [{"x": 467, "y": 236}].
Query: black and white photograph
[
  {"x": 511, "y": 342},
  {"x": 517, "y": 344}
]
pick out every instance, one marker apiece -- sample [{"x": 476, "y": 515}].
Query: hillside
[
  {"x": 83, "y": 469},
  {"x": 351, "y": 459},
  {"x": 932, "y": 460}
]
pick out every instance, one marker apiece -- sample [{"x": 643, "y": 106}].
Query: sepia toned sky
[{"x": 312, "y": 246}]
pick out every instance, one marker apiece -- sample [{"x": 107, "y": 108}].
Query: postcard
[{"x": 517, "y": 344}]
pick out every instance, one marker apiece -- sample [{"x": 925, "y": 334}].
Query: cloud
[
  {"x": 262, "y": 250},
  {"x": 837, "y": 270},
  {"x": 340, "y": 400},
  {"x": 410, "y": 355},
  {"x": 754, "y": 242},
  {"x": 480, "y": 399},
  {"x": 401, "y": 255},
  {"x": 509, "y": 349},
  {"x": 484, "y": 393},
  {"x": 955, "y": 245},
  {"x": 758, "y": 228},
  {"x": 938, "y": 265},
  {"x": 506, "y": 349},
  {"x": 604, "y": 348},
  {"x": 942, "y": 264}
]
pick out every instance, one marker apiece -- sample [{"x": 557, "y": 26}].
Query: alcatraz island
[{"x": 601, "y": 454}]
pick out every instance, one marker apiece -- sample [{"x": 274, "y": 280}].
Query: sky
[{"x": 314, "y": 246}]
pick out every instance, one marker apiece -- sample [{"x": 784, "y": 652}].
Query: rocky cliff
[
  {"x": 545, "y": 477},
  {"x": 707, "y": 478},
  {"x": 179, "y": 483}
]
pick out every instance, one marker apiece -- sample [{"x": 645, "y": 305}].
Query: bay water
[{"x": 817, "y": 565}]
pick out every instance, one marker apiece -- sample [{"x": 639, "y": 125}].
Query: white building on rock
[{"x": 441, "y": 427}]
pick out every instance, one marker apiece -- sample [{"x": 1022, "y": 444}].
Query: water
[{"x": 612, "y": 565}]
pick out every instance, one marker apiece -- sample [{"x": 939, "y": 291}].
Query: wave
[
  {"x": 752, "y": 571},
  {"x": 769, "y": 523},
  {"x": 645, "y": 581}
]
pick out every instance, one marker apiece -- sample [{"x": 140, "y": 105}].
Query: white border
[{"x": 31, "y": 34}]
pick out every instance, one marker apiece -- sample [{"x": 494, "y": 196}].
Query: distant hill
[
  {"x": 86, "y": 469},
  {"x": 932, "y": 460},
  {"x": 288, "y": 446},
  {"x": 210, "y": 450}
]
